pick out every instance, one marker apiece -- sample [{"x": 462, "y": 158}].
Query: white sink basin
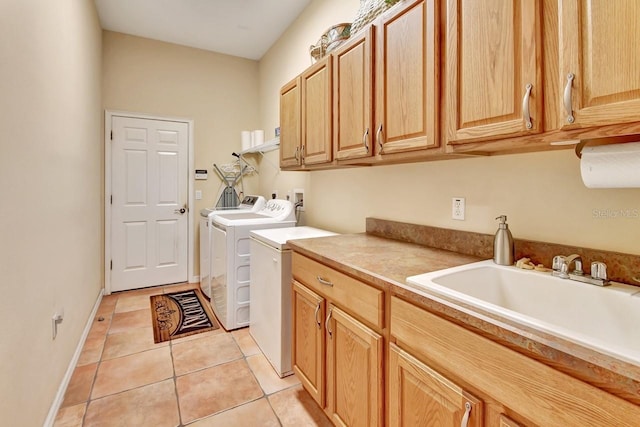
[{"x": 606, "y": 319}]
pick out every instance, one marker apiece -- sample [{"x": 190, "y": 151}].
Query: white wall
[
  {"x": 541, "y": 193},
  {"x": 51, "y": 187}
]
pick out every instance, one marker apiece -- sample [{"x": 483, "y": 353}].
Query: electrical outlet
[
  {"x": 457, "y": 210},
  {"x": 298, "y": 198}
]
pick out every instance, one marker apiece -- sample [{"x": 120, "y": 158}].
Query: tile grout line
[
  {"x": 95, "y": 375},
  {"x": 175, "y": 384}
]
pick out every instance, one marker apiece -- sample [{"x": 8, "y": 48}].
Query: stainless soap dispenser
[{"x": 503, "y": 243}]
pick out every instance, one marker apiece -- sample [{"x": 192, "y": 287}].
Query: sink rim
[{"x": 423, "y": 284}]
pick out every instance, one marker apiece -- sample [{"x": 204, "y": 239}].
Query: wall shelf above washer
[{"x": 272, "y": 144}]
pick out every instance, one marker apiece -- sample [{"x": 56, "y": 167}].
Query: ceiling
[{"x": 244, "y": 28}]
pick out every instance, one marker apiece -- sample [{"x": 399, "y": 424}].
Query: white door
[{"x": 149, "y": 224}]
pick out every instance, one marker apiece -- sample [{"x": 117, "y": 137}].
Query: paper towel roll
[
  {"x": 245, "y": 135},
  {"x": 611, "y": 166},
  {"x": 257, "y": 137}
]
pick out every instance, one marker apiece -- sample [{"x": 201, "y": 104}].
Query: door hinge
[
  {"x": 112, "y": 135},
  {"x": 111, "y": 199},
  {"x": 111, "y": 265}
]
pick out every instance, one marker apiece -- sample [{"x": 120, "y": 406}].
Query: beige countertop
[{"x": 387, "y": 262}]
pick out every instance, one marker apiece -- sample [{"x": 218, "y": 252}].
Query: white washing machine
[
  {"x": 230, "y": 266},
  {"x": 248, "y": 204},
  {"x": 270, "y": 290}
]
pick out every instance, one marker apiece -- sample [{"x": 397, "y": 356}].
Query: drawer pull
[
  {"x": 315, "y": 315},
  {"x": 323, "y": 281},
  {"x": 567, "y": 98},
  {"x": 467, "y": 413},
  {"x": 326, "y": 323},
  {"x": 525, "y": 107}
]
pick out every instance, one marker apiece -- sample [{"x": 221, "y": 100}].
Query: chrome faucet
[
  {"x": 577, "y": 259},
  {"x": 562, "y": 264}
]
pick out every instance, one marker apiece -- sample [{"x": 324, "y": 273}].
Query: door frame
[{"x": 108, "y": 115}]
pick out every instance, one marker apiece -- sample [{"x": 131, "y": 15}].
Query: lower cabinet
[
  {"x": 308, "y": 341},
  {"x": 515, "y": 389},
  {"x": 354, "y": 371},
  {"x": 338, "y": 358},
  {"x": 348, "y": 334},
  {"x": 420, "y": 396}
]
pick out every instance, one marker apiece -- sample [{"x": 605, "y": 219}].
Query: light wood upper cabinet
[
  {"x": 599, "y": 47},
  {"x": 418, "y": 396},
  {"x": 316, "y": 90},
  {"x": 406, "y": 86},
  {"x": 290, "y": 126},
  {"x": 305, "y": 118},
  {"x": 354, "y": 372},
  {"x": 308, "y": 341},
  {"x": 352, "y": 97},
  {"x": 493, "y": 68}
]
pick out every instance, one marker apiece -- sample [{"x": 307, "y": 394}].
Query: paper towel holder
[{"x": 604, "y": 141}]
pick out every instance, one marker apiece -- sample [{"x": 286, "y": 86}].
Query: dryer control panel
[{"x": 276, "y": 207}]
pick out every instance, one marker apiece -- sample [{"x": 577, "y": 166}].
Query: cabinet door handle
[
  {"x": 302, "y": 150},
  {"x": 525, "y": 107},
  {"x": 315, "y": 315},
  {"x": 323, "y": 281},
  {"x": 567, "y": 98},
  {"x": 296, "y": 154},
  {"x": 379, "y": 139},
  {"x": 326, "y": 323},
  {"x": 365, "y": 139},
  {"x": 467, "y": 413}
]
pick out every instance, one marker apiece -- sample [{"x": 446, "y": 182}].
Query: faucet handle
[
  {"x": 599, "y": 270},
  {"x": 560, "y": 267},
  {"x": 558, "y": 261}
]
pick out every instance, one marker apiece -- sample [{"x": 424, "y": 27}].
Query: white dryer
[
  {"x": 230, "y": 266},
  {"x": 248, "y": 204}
]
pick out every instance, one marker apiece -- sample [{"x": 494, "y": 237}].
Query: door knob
[{"x": 181, "y": 210}]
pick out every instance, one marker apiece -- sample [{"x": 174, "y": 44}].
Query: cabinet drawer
[
  {"x": 538, "y": 392},
  {"x": 358, "y": 298}
]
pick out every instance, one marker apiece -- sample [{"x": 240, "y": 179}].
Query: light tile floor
[{"x": 215, "y": 378}]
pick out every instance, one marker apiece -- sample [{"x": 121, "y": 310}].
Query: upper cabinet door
[
  {"x": 493, "y": 69},
  {"x": 407, "y": 79},
  {"x": 599, "y": 49},
  {"x": 290, "y": 126},
  {"x": 352, "y": 98},
  {"x": 316, "y": 113}
]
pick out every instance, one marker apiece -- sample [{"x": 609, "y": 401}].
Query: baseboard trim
[{"x": 57, "y": 402}]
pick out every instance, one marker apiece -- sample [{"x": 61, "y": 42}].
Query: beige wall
[
  {"x": 50, "y": 181},
  {"x": 219, "y": 92},
  {"x": 284, "y": 61},
  {"x": 542, "y": 194}
]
